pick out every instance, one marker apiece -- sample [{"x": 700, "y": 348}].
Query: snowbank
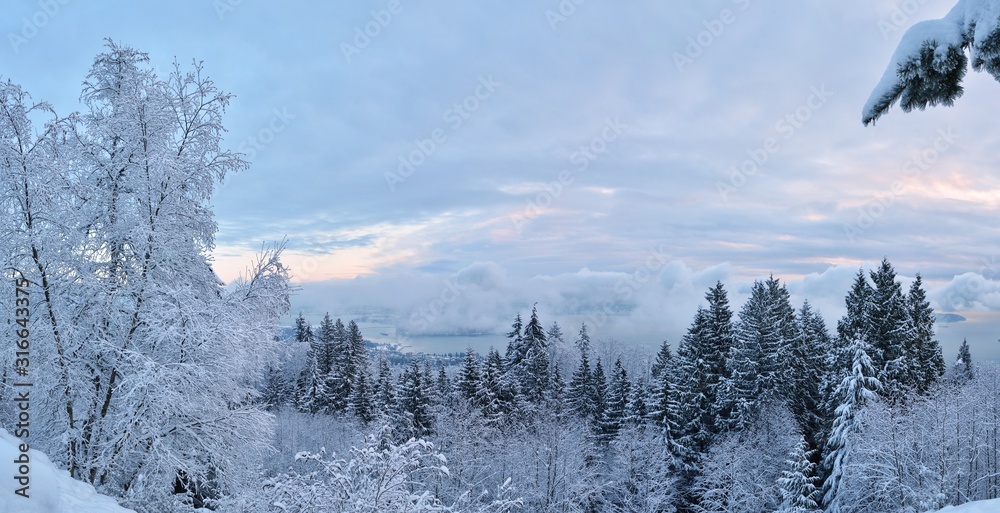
[
  {"x": 990, "y": 506},
  {"x": 50, "y": 490}
]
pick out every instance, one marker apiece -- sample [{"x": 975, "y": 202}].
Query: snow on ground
[
  {"x": 990, "y": 506},
  {"x": 50, "y": 489}
]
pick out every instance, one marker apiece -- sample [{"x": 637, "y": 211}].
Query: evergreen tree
[
  {"x": 638, "y": 411},
  {"x": 753, "y": 362},
  {"x": 963, "y": 366},
  {"x": 318, "y": 394},
  {"x": 616, "y": 403},
  {"x": 858, "y": 388},
  {"x": 892, "y": 336},
  {"x": 581, "y": 385},
  {"x": 556, "y": 343},
  {"x": 357, "y": 352},
  {"x": 430, "y": 387},
  {"x": 702, "y": 356},
  {"x": 469, "y": 379},
  {"x": 930, "y": 364},
  {"x": 443, "y": 384},
  {"x": 303, "y": 331},
  {"x": 496, "y": 396},
  {"x": 342, "y": 368},
  {"x": 384, "y": 392},
  {"x": 276, "y": 390},
  {"x": 664, "y": 408},
  {"x": 533, "y": 370},
  {"x": 599, "y": 399},
  {"x": 515, "y": 351},
  {"x": 798, "y": 482},
  {"x": 557, "y": 391},
  {"x": 662, "y": 362},
  {"x": 810, "y": 359},
  {"x": 362, "y": 400},
  {"x": 414, "y": 404}
]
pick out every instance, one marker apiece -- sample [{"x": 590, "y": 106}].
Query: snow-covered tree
[
  {"x": 753, "y": 363},
  {"x": 384, "y": 392},
  {"x": 926, "y": 350},
  {"x": 930, "y": 61},
  {"x": 413, "y": 403},
  {"x": 857, "y": 388},
  {"x": 797, "y": 483},
  {"x": 702, "y": 356},
  {"x": 600, "y": 397},
  {"x": 741, "y": 472},
  {"x": 963, "y": 365},
  {"x": 147, "y": 361},
  {"x": 616, "y": 405},
  {"x": 811, "y": 355},
  {"x": 469, "y": 379},
  {"x": 580, "y": 396},
  {"x": 532, "y": 371}
]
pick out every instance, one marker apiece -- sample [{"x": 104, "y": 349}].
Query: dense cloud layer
[{"x": 644, "y": 306}]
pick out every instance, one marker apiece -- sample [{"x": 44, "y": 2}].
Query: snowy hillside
[
  {"x": 50, "y": 490},
  {"x": 991, "y": 506}
]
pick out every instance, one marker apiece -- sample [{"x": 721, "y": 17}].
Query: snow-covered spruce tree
[
  {"x": 385, "y": 389},
  {"x": 664, "y": 408},
  {"x": 637, "y": 411},
  {"x": 797, "y": 483},
  {"x": 315, "y": 396},
  {"x": 616, "y": 405},
  {"x": 469, "y": 379},
  {"x": 599, "y": 399},
  {"x": 581, "y": 386},
  {"x": 892, "y": 336},
  {"x": 277, "y": 392},
  {"x": 930, "y": 62},
  {"x": 753, "y": 361},
  {"x": 701, "y": 357},
  {"x": 926, "y": 350},
  {"x": 532, "y": 373},
  {"x": 303, "y": 331},
  {"x": 496, "y": 397},
  {"x": 811, "y": 355},
  {"x": 362, "y": 400},
  {"x": 340, "y": 379},
  {"x": 963, "y": 365},
  {"x": 515, "y": 353},
  {"x": 151, "y": 361},
  {"x": 857, "y": 388},
  {"x": 413, "y": 404}
]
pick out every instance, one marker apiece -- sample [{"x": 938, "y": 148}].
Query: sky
[{"x": 454, "y": 163}]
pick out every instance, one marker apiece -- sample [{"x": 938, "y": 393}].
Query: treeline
[{"x": 772, "y": 379}]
